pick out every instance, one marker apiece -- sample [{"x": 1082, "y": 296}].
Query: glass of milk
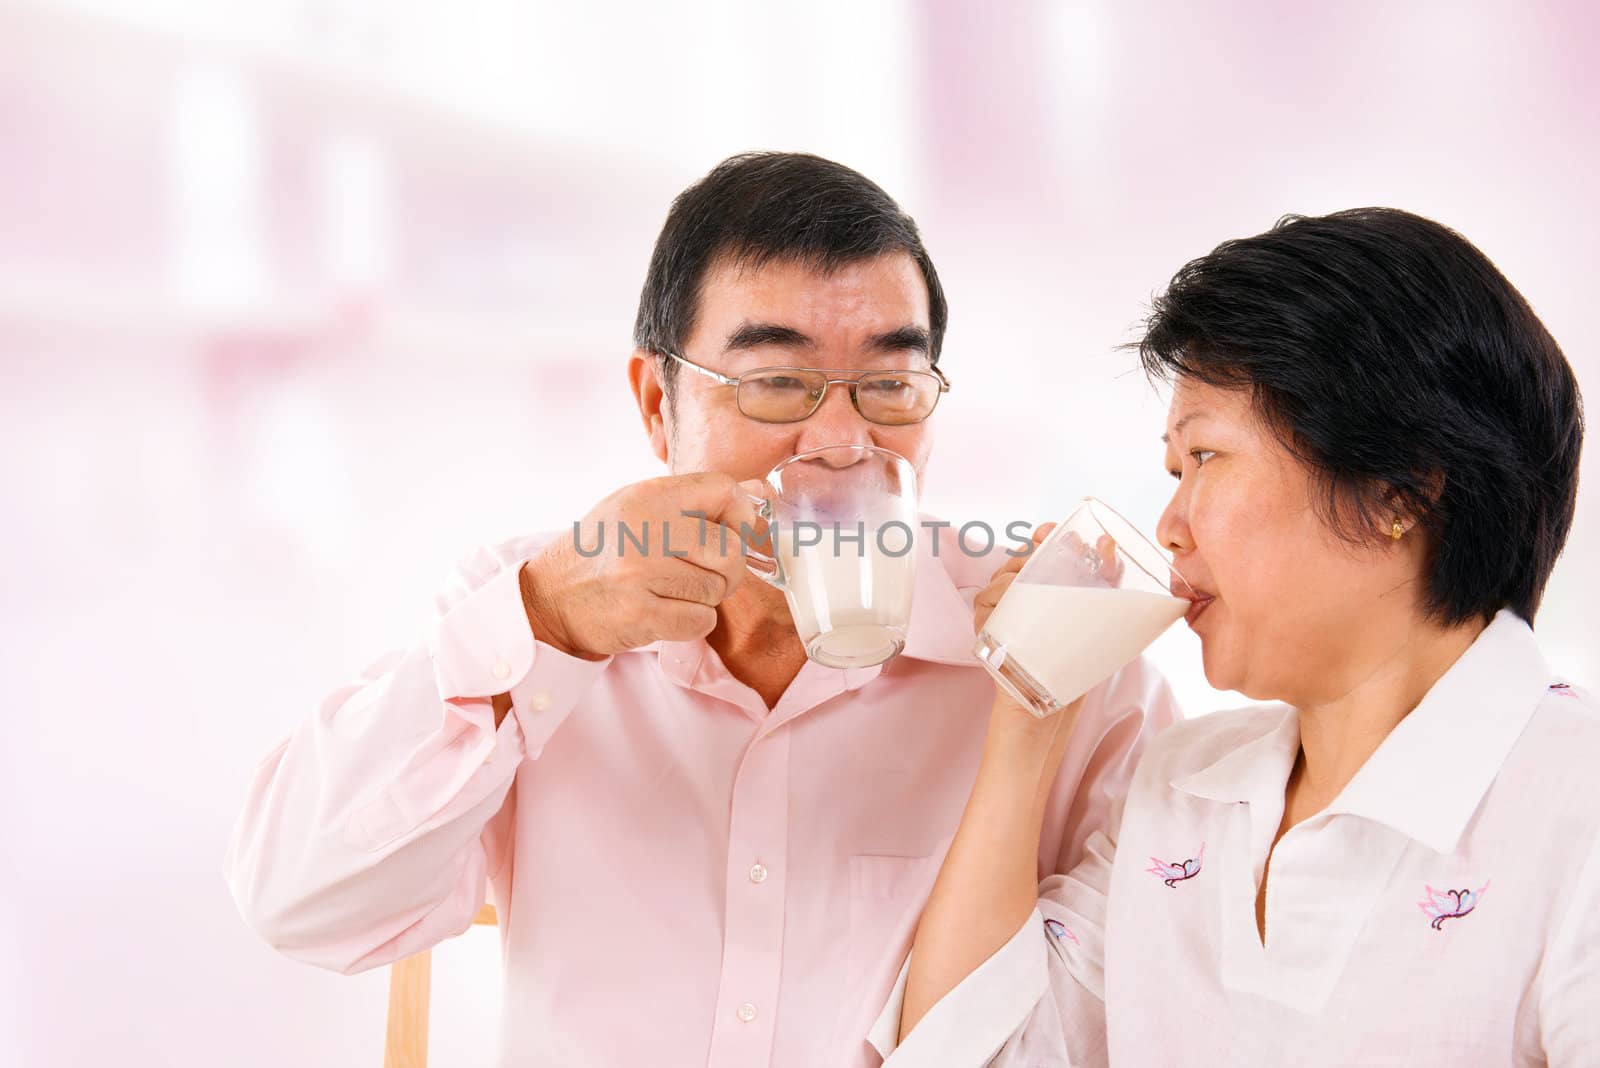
[
  {"x": 1091, "y": 597},
  {"x": 841, "y": 523}
]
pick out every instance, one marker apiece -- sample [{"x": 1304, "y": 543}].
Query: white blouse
[{"x": 1445, "y": 909}]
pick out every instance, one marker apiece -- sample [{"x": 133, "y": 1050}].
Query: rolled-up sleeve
[
  {"x": 1039, "y": 1000},
  {"x": 369, "y": 834}
]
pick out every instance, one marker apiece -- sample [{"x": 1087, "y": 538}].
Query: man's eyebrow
[
  {"x": 908, "y": 338},
  {"x": 750, "y": 335}
]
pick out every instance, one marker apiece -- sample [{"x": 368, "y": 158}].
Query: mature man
[{"x": 705, "y": 848}]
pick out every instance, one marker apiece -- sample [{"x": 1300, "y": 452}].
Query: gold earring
[{"x": 1398, "y": 530}]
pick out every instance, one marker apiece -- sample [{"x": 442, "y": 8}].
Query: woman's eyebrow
[{"x": 1185, "y": 421}]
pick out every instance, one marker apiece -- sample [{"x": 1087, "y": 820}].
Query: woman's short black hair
[
  {"x": 764, "y": 206},
  {"x": 1389, "y": 355}
]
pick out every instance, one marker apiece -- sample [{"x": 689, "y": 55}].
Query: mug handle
[{"x": 760, "y": 564}]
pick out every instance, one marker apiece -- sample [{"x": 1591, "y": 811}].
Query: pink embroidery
[
  {"x": 1563, "y": 689},
  {"x": 1061, "y": 930},
  {"x": 1177, "y": 871},
  {"x": 1442, "y": 905}
]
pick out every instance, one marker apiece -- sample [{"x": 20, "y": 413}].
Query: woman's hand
[
  {"x": 989, "y": 882},
  {"x": 1002, "y": 579},
  {"x": 1100, "y": 566},
  {"x": 1008, "y": 714}
]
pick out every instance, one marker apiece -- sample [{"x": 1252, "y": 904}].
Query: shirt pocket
[
  {"x": 887, "y": 894},
  {"x": 884, "y": 896}
]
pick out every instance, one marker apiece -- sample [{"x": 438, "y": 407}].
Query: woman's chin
[
  {"x": 1218, "y": 682},
  {"x": 1213, "y": 670},
  {"x": 1222, "y": 670}
]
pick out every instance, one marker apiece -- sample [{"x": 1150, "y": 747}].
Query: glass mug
[
  {"x": 1092, "y": 596},
  {"x": 842, "y": 528}
]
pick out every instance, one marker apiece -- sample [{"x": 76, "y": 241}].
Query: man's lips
[{"x": 1201, "y": 602}]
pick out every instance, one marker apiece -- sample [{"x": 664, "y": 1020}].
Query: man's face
[{"x": 869, "y": 315}]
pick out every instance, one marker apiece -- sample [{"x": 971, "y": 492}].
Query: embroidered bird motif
[
  {"x": 1442, "y": 905},
  {"x": 1060, "y": 930},
  {"x": 1174, "y": 872}
]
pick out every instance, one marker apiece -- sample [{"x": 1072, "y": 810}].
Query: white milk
[
  {"x": 1072, "y": 638},
  {"x": 859, "y": 596}
]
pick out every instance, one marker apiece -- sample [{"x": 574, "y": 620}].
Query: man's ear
[{"x": 644, "y": 378}]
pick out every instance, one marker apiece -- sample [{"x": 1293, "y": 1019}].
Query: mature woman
[{"x": 1376, "y": 446}]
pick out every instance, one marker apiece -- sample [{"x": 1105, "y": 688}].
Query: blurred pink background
[{"x": 300, "y": 300}]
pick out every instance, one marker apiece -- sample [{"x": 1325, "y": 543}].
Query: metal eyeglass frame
[{"x": 718, "y": 376}]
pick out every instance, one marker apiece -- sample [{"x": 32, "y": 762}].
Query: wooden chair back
[{"x": 405, "y": 1044}]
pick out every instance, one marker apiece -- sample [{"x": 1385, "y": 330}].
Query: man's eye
[
  {"x": 887, "y": 385},
  {"x": 783, "y": 384}
]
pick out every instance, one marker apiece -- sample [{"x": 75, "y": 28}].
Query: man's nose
[{"x": 835, "y": 422}]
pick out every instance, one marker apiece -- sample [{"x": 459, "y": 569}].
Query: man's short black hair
[
  {"x": 762, "y": 207},
  {"x": 1392, "y": 357}
]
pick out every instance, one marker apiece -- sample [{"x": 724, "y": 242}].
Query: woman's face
[{"x": 1286, "y": 610}]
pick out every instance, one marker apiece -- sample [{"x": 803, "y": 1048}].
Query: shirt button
[
  {"x": 539, "y": 701},
  {"x": 502, "y": 670},
  {"x": 758, "y": 874},
  {"x": 747, "y": 1012}
]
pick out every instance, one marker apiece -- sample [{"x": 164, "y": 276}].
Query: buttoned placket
[
  {"x": 757, "y": 873},
  {"x": 1316, "y": 905}
]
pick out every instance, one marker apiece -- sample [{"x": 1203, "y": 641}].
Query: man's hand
[{"x": 593, "y": 606}]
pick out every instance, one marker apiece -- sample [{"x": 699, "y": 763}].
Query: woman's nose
[{"x": 1172, "y": 530}]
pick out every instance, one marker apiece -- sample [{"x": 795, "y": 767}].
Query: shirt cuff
[
  {"x": 483, "y": 646},
  {"x": 970, "y": 1024}
]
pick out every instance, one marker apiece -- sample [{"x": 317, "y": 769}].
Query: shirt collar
[
  {"x": 1427, "y": 777},
  {"x": 1256, "y": 761}
]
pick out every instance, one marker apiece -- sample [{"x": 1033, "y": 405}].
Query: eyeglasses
[{"x": 790, "y": 394}]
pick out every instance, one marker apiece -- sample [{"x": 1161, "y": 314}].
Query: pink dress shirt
[{"x": 684, "y": 876}]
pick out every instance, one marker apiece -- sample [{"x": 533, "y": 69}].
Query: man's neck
[{"x": 756, "y": 639}]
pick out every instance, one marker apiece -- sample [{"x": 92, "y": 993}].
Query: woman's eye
[{"x": 1199, "y": 456}]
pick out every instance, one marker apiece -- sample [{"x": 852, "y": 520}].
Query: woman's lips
[{"x": 1196, "y": 608}]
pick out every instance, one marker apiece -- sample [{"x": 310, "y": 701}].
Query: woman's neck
[{"x": 1338, "y": 736}]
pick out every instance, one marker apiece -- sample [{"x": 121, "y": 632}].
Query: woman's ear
[
  {"x": 655, "y": 410},
  {"x": 1431, "y": 483},
  {"x": 1401, "y": 512}
]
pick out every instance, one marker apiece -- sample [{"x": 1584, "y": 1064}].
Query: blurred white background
[{"x": 300, "y": 300}]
